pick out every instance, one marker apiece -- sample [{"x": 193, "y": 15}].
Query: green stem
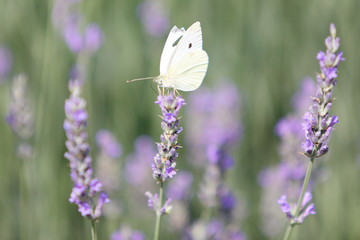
[
  {"x": 93, "y": 230},
  {"x": 158, "y": 213},
  {"x": 288, "y": 232},
  {"x": 300, "y": 200}
]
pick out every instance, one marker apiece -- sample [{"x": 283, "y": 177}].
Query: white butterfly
[{"x": 183, "y": 62}]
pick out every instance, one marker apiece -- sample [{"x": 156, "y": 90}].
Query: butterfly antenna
[{"x": 139, "y": 79}]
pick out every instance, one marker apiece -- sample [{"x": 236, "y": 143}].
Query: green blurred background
[{"x": 266, "y": 47}]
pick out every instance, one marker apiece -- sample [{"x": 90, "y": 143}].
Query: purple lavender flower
[
  {"x": 108, "y": 166},
  {"x": 285, "y": 177},
  {"x": 68, "y": 21},
  {"x": 214, "y": 115},
  {"x": 72, "y": 35},
  {"x": 86, "y": 192},
  {"x": 126, "y": 233},
  {"x": 107, "y": 143},
  {"x": 164, "y": 161},
  {"x": 307, "y": 208},
  {"x": 154, "y": 17},
  {"x": 20, "y": 116},
  {"x": 61, "y": 12},
  {"x": 93, "y": 37},
  {"x": 179, "y": 189},
  {"x": 89, "y": 41},
  {"x": 5, "y": 62},
  {"x": 214, "y": 229},
  {"x": 318, "y": 123},
  {"x": 154, "y": 203},
  {"x": 137, "y": 164}
]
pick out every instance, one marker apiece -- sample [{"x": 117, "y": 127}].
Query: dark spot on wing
[{"x": 190, "y": 45}]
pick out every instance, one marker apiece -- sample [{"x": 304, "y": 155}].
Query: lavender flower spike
[
  {"x": 86, "y": 192},
  {"x": 318, "y": 123},
  {"x": 20, "y": 116},
  {"x": 164, "y": 161}
]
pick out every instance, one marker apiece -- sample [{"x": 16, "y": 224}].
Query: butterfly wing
[
  {"x": 189, "y": 42},
  {"x": 169, "y": 49},
  {"x": 188, "y": 72}
]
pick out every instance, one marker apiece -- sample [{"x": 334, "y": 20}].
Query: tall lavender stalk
[
  {"x": 21, "y": 121},
  {"x": 164, "y": 161},
  {"x": 215, "y": 115},
  {"x": 318, "y": 126},
  {"x": 86, "y": 192}
]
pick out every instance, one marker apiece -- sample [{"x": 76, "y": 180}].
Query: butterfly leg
[{"x": 176, "y": 92}]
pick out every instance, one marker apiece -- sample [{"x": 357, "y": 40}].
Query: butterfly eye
[{"x": 190, "y": 45}]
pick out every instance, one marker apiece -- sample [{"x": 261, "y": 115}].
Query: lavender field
[{"x": 267, "y": 146}]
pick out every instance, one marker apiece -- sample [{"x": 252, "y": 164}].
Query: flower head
[
  {"x": 137, "y": 163},
  {"x": 20, "y": 116},
  {"x": 108, "y": 166},
  {"x": 318, "y": 123},
  {"x": 164, "y": 161},
  {"x": 126, "y": 233},
  {"x": 88, "y": 41},
  {"x": 307, "y": 208},
  {"x": 154, "y": 17},
  {"x": 86, "y": 192},
  {"x": 214, "y": 115}
]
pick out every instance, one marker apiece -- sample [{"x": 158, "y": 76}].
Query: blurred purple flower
[
  {"x": 289, "y": 125},
  {"x": 154, "y": 17},
  {"x": 180, "y": 187},
  {"x": 137, "y": 170},
  {"x": 307, "y": 208},
  {"x": 5, "y": 62},
  {"x": 179, "y": 190},
  {"x": 72, "y": 35},
  {"x": 227, "y": 200},
  {"x": 62, "y": 9},
  {"x": 108, "y": 166},
  {"x": 20, "y": 116},
  {"x": 126, "y": 233},
  {"x": 108, "y": 143},
  {"x": 214, "y": 115},
  {"x": 318, "y": 123},
  {"x": 214, "y": 229},
  {"x": 86, "y": 189},
  {"x": 93, "y": 37},
  {"x": 69, "y": 21},
  {"x": 301, "y": 99}
]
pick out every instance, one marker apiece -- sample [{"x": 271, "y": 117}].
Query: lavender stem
[
  {"x": 300, "y": 200},
  {"x": 93, "y": 230},
  {"x": 158, "y": 213}
]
